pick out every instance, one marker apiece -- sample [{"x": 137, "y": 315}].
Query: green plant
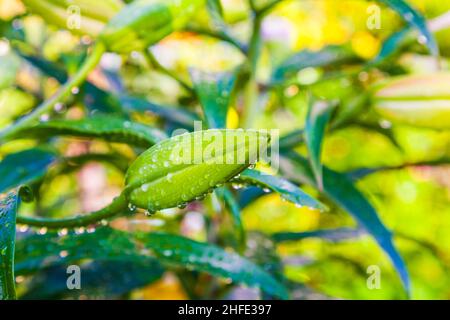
[{"x": 152, "y": 180}]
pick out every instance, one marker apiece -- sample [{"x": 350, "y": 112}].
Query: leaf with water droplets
[
  {"x": 100, "y": 279},
  {"x": 8, "y": 211},
  {"x": 109, "y": 128},
  {"x": 24, "y": 167},
  {"x": 105, "y": 244},
  {"x": 183, "y": 252},
  {"x": 286, "y": 189},
  {"x": 188, "y": 166},
  {"x": 316, "y": 121},
  {"x": 214, "y": 91}
]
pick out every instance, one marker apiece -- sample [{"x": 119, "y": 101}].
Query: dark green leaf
[
  {"x": 316, "y": 121},
  {"x": 286, "y": 189},
  {"x": 99, "y": 279},
  {"x": 8, "y": 211},
  {"x": 24, "y": 167},
  {"x": 36, "y": 252},
  {"x": 173, "y": 114},
  {"x": 214, "y": 91},
  {"x": 105, "y": 127},
  {"x": 235, "y": 210},
  {"x": 333, "y": 235},
  {"x": 183, "y": 252},
  {"x": 329, "y": 55},
  {"x": 342, "y": 191},
  {"x": 40, "y": 251},
  {"x": 415, "y": 19}
]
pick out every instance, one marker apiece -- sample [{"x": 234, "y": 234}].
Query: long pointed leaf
[
  {"x": 316, "y": 121},
  {"x": 286, "y": 189},
  {"x": 415, "y": 19},
  {"x": 342, "y": 191},
  {"x": 214, "y": 92}
]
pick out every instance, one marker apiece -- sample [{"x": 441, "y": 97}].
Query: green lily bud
[
  {"x": 418, "y": 100},
  {"x": 80, "y": 16},
  {"x": 188, "y": 166},
  {"x": 145, "y": 22}
]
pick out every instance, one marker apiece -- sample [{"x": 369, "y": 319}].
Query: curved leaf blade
[
  {"x": 24, "y": 167},
  {"x": 415, "y": 19},
  {"x": 342, "y": 191},
  {"x": 108, "y": 128},
  {"x": 286, "y": 189},
  {"x": 39, "y": 251},
  {"x": 214, "y": 91},
  {"x": 316, "y": 121},
  {"x": 172, "y": 114},
  {"x": 332, "y": 235},
  {"x": 329, "y": 55},
  {"x": 8, "y": 211},
  {"x": 180, "y": 251},
  {"x": 101, "y": 279}
]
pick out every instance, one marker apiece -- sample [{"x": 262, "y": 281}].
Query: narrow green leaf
[
  {"x": 109, "y": 128},
  {"x": 24, "y": 167},
  {"x": 172, "y": 114},
  {"x": 183, "y": 252},
  {"x": 415, "y": 19},
  {"x": 342, "y": 191},
  {"x": 329, "y": 55},
  {"x": 8, "y": 211},
  {"x": 333, "y": 235},
  {"x": 316, "y": 121},
  {"x": 214, "y": 91},
  {"x": 392, "y": 45},
  {"x": 235, "y": 211},
  {"x": 286, "y": 189}
]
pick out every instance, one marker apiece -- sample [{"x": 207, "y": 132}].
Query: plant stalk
[{"x": 61, "y": 95}]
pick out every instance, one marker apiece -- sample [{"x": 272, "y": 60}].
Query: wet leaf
[
  {"x": 8, "y": 211},
  {"x": 286, "y": 189},
  {"x": 108, "y": 128}
]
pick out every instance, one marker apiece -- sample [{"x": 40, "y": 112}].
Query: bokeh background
[{"x": 413, "y": 201}]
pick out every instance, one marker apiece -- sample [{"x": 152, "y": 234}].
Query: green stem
[
  {"x": 119, "y": 204},
  {"x": 151, "y": 59},
  {"x": 252, "y": 90},
  {"x": 61, "y": 95}
]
